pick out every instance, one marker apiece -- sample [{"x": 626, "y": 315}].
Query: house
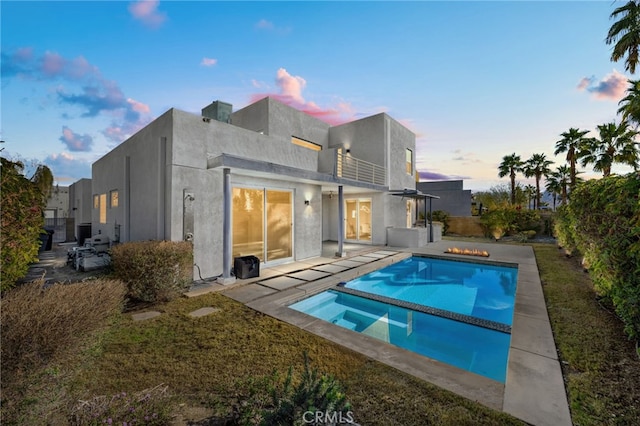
[
  {"x": 80, "y": 209},
  {"x": 454, "y": 199},
  {"x": 267, "y": 181}
]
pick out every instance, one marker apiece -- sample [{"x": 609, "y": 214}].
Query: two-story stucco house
[{"x": 266, "y": 180}]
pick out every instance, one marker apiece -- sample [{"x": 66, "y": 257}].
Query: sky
[{"x": 475, "y": 80}]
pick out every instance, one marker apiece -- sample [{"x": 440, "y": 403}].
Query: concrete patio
[{"x": 534, "y": 389}]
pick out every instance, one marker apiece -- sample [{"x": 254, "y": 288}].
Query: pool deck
[{"x": 534, "y": 390}]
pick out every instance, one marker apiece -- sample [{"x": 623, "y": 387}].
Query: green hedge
[
  {"x": 500, "y": 221},
  {"x": 154, "y": 271},
  {"x": 22, "y": 222},
  {"x": 603, "y": 223}
]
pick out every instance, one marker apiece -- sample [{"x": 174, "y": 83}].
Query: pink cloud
[
  {"x": 146, "y": 12},
  {"x": 612, "y": 87},
  {"x": 290, "y": 93},
  {"x": 75, "y": 141},
  {"x": 208, "y": 62},
  {"x": 52, "y": 64},
  {"x": 139, "y": 106}
]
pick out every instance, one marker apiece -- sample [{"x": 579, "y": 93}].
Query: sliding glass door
[
  {"x": 358, "y": 220},
  {"x": 262, "y": 223}
]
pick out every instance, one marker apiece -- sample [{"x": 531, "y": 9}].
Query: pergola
[{"x": 417, "y": 195}]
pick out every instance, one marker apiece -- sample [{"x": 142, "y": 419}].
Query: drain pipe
[
  {"x": 340, "y": 252},
  {"x": 226, "y": 277}
]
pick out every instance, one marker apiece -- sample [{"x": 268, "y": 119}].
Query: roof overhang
[{"x": 263, "y": 169}]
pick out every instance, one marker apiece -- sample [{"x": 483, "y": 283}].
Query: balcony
[{"x": 346, "y": 166}]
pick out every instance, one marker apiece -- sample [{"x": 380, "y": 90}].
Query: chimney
[{"x": 219, "y": 111}]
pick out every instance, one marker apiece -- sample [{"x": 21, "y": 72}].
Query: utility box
[{"x": 246, "y": 267}]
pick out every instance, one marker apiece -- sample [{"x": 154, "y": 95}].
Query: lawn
[{"x": 209, "y": 365}]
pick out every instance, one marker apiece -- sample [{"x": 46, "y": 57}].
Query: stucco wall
[
  {"x": 279, "y": 120},
  {"x": 453, "y": 199},
  {"x": 381, "y": 140},
  {"x": 80, "y": 203}
]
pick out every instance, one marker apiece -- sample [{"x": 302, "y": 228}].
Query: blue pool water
[
  {"x": 476, "y": 289},
  {"x": 479, "y": 350},
  {"x": 456, "y": 289}
]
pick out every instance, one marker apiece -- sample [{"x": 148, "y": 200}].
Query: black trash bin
[
  {"x": 246, "y": 267},
  {"x": 46, "y": 239}
]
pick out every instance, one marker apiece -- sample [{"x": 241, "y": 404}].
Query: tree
[
  {"x": 630, "y": 104},
  {"x": 563, "y": 175},
  {"x": 625, "y": 33},
  {"x": 572, "y": 142},
  {"x": 616, "y": 144},
  {"x": 511, "y": 164},
  {"x": 530, "y": 193},
  {"x": 553, "y": 187},
  {"x": 537, "y": 166},
  {"x": 23, "y": 203}
]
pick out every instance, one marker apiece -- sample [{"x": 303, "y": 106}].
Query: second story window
[
  {"x": 409, "y": 162},
  {"x": 113, "y": 198},
  {"x": 306, "y": 144}
]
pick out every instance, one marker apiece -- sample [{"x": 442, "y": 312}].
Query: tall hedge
[
  {"x": 154, "y": 271},
  {"x": 22, "y": 204},
  {"x": 603, "y": 223}
]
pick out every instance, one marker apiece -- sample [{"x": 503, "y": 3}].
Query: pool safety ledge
[{"x": 493, "y": 325}]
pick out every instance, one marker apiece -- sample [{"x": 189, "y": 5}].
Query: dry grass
[
  {"x": 213, "y": 360},
  {"x": 43, "y": 329}
]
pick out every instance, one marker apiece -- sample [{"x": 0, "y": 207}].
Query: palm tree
[
  {"x": 537, "y": 166},
  {"x": 630, "y": 104},
  {"x": 562, "y": 176},
  {"x": 530, "y": 192},
  {"x": 616, "y": 145},
  {"x": 571, "y": 143},
  {"x": 625, "y": 33},
  {"x": 511, "y": 164},
  {"x": 552, "y": 186}
]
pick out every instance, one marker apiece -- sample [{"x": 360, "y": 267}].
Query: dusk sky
[{"x": 475, "y": 81}]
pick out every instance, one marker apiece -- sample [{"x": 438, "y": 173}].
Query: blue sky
[{"x": 474, "y": 80}]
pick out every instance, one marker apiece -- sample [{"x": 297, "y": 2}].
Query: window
[
  {"x": 409, "y": 162},
  {"x": 113, "y": 198},
  {"x": 103, "y": 208},
  {"x": 306, "y": 144},
  {"x": 96, "y": 201}
]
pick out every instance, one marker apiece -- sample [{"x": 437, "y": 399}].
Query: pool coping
[{"x": 534, "y": 389}]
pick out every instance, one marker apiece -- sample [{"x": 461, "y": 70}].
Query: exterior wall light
[{"x": 306, "y": 202}]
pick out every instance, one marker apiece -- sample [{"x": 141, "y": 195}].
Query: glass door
[
  {"x": 358, "y": 220},
  {"x": 279, "y": 224},
  {"x": 262, "y": 223}
]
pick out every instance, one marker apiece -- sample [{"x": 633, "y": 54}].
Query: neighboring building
[
  {"x": 58, "y": 203},
  {"x": 80, "y": 198},
  {"x": 453, "y": 198},
  {"x": 267, "y": 180}
]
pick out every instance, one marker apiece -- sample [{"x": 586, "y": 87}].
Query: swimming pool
[
  {"x": 479, "y": 290},
  {"x": 471, "y": 334}
]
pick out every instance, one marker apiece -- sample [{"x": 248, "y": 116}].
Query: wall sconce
[
  {"x": 306, "y": 202},
  {"x": 348, "y": 151}
]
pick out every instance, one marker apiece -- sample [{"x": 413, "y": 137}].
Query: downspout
[
  {"x": 340, "y": 252},
  {"x": 226, "y": 277}
]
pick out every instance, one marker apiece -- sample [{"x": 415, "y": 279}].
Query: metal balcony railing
[{"x": 360, "y": 170}]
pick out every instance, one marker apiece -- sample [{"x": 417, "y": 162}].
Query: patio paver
[
  {"x": 282, "y": 283},
  {"x": 309, "y": 275}
]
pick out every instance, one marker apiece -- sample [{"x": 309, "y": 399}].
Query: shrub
[
  {"x": 603, "y": 220},
  {"x": 148, "y": 407},
  {"x": 441, "y": 216},
  {"x": 503, "y": 220},
  {"x": 154, "y": 271},
  {"x": 44, "y": 329},
  {"x": 22, "y": 222},
  {"x": 39, "y": 324},
  {"x": 278, "y": 402}
]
